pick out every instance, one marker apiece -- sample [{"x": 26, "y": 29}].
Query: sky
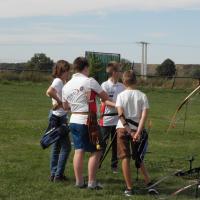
[{"x": 65, "y": 29}]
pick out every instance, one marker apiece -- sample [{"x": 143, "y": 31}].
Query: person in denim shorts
[
  {"x": 77, "y": 95},
  {"x": 62, "y": 147}
]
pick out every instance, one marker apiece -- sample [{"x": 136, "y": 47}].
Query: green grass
[{"x": 24, "y": 166}]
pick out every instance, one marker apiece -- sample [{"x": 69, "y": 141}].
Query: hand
[
  {"x": 57, "y": 105},
  {"x": 136, "y": 137},
  {"x": 94, "y": 137},
  {"x": 59, "y": 102}
]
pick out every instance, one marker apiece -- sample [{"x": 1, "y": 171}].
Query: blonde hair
[{"x": 129, "y": 78}]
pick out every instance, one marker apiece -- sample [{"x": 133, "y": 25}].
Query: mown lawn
[{"x": 24, "y": 166}]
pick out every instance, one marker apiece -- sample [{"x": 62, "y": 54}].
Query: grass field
[{"x": 24, "y": 166}]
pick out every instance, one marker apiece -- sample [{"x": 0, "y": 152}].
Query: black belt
[{"x": 109, "y": 114}]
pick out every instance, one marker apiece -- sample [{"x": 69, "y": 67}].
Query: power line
[
  {"x": 177, "y": 45},
  {"x": 101, "y": 43}
]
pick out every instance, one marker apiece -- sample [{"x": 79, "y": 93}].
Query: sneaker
[
  {"x": 115, "y": 170},
  {"x": 51, "y": 178},
  {"x": 96, "y": 186},
  {"x": 61, "y": 178},
  {"x": 153, "y": 191},
  {"x": 81, "y": 186},
  {"x": 149, "y": 184},
  {"x": 128, "y": 192}
]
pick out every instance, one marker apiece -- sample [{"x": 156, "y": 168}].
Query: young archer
[{"x": 132, "y": 106}]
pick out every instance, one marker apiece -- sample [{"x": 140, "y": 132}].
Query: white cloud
[
  {"x": 24, "y": 8},
  {"x": 44, "y": 35}
]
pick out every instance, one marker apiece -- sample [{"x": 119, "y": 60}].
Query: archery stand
[
  {"x": 191, "y": 159},
  {"x": 197, "y": 189}
]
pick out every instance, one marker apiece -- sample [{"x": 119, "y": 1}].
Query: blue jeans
[{"x": 60, "y": 149}]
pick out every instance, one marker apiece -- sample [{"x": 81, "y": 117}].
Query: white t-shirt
[
  {"x": 112, "y": 89},
  {"x": 57, "y": 84},
  {"x": 76, "y": 93},
  {"x": 133, "y": 103}
]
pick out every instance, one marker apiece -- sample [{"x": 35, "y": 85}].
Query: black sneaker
[
  {"x": 60, "y": 178},
  {"x": 96, "y": 186},
  {"x": 128, "y": 192},
  {"x": 149, "y": 184}
]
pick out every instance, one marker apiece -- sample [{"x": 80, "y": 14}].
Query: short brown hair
[
  {"x": 112, "y": 66},
  {"x": 80, "y": 63},
  {"x": 60, "y": 67},
  {"x": 129, "y": 78}
]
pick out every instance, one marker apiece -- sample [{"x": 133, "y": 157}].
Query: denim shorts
[{"x": 80, "y": 137}]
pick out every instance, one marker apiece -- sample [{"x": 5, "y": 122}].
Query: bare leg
[
  {"x": 145, "y": 173},
  {"x": 78, "y": 166},
  {"x": 127, "y": 172},
  {"x": 93, "y": 165}
]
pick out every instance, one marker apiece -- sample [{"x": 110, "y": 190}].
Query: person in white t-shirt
[
  {"x": 132, "y": 106},
  {"x": 108, "y": 115},
  {"x": 62, "y": 147},
  {"x": 77, "y": 95}
]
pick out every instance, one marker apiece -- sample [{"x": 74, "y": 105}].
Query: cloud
[
  {"x": 25, "y": 8},
  {"x": 38, "y": 35}
]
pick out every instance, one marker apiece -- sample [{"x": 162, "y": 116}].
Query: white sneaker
[
  {"x": 128, "y": 193},
  {"x": 96, "y": 186}
]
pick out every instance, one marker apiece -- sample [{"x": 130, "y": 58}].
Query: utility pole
[{"x": 144, "y": 59}]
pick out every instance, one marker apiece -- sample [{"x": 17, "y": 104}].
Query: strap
[
  {"x": 82, "y": 113},
  {"x": 130, "y": 121},
  {"x": 109, "y": 114}
]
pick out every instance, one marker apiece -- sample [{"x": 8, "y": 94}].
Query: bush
[
  {"x": 34, "y": 76},
  {"x": 25, "y": 76},
  {"x": 196, "y": 75},
  {"x": 166, "y": 69},
  {"x": 9, "y": 76}
]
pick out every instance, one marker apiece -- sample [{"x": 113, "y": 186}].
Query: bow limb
[
  {"x": 188, "y": 97},
  {"x": 172, "y": 123}
]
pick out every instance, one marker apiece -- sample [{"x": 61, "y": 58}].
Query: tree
[
  {"x": 126, "y": 64},
  {"x": 196, "y": 74},
  {"x": 166, "y": 69},
  {"x": 40, "y": 62},
  {"x": 95, "y": 66}
]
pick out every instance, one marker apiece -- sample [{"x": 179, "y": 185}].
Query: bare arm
[
  {"x": 110, "y": 103},
  {"x": 51, "y": 92},
  {"x": 66, "y": 106},
  {"x": 120, "y": 111},
  {"x": 105, "y": 98},
  {"x": 141, "y": 125},
  {"x": 135, "y": 135}
]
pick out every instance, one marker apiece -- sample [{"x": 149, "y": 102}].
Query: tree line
[{"x": 41, "y": 62}]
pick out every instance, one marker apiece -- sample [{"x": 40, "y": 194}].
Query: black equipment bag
[
  {"x": 140, "y": 147},
  {"x": 53, "y": 135}
]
